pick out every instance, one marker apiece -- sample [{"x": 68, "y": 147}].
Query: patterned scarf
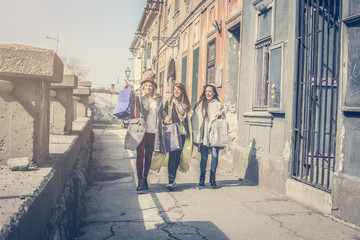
[{"x": 180, "y": 110}]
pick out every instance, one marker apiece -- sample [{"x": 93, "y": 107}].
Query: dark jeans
[
  {"x": 174, "y": 161},
  {"x": 204, "y": 156},
  {"x": 147, "y": 146}
]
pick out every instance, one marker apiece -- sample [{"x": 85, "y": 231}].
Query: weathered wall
[
  {"x": 263, "y": 149},
  {"x": 346, "y": 180}
]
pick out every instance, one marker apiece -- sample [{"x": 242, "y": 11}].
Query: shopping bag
[
  {"x": 134, "y": 105},
  {"x": 218, "y": 136},
  {"x": 159, "y": 160},
  {"x": 122, "y": 108},
  {"x": 172, "y": 137}
]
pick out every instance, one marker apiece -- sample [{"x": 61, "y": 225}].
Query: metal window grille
[{"x": 317, "y": 91}]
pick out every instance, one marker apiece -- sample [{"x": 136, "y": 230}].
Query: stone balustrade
[
  {"x": 62, "y": 110},
  {"x": 81, "y": 99},
  {"x": 36, "y": 99},
  {"x": 26, "y": 74}
]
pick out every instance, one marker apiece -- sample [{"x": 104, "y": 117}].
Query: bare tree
[{"x": 75, "y": 66}]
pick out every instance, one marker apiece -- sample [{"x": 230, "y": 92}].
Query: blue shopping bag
[
  {"x": 122, "y": 108},
  {"x": 172, "y": 137}
]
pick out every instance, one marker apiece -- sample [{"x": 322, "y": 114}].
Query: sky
[{"x": 99, "y": 33}]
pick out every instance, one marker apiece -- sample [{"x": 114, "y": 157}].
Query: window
[
  {"x": 148, "y": 51},
  {"x": 176, "y": 5},
  {"x": 183, "y": 70},
  {"x": 261, "y": 77},
  {"x": 275, "y": 78},
  {"x": 165, "y": 14},
  {"x": 264, "y": 24},
  {"x": 147, "y": 57},
  {"x": 195, "y": 77},
  {"x": 161, "y": 83},
  {"x": 352, "y": 97},
  {"x": 211, "y": 62},
  {"x": 262, "y": 60}
]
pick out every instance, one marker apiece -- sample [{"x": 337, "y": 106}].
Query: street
[{"x": 236, "y": 209}]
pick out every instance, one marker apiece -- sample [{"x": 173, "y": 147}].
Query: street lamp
[
  {"x": 127, "y": 73},
  {"x": 56, "y": 39}
]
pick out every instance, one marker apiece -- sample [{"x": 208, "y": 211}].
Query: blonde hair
[{"x": 153, "y": 94}]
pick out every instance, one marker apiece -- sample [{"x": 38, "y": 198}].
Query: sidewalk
[{"x": 234, "y": 210}]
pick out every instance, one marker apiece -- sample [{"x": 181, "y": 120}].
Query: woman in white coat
[{"x": 206, "y": 110}]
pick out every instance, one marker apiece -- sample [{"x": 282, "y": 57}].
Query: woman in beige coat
[
  {"x": 145, "y": 131},
  {"x": 206, "y": 110}
]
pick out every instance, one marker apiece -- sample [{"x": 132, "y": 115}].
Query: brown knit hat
[{"x": 149, "y": 80}]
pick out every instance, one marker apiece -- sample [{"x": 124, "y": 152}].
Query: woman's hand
[
  {"x": 126, "y": 85},
  {"x": 220, "y": 113},
  {"x": 168, "y": 120}
]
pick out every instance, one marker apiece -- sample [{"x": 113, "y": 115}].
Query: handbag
[
  {"x": 172, "y": 137},
  {"x": 219, "y": 129},
  {"x": 122, "y": 108},
  {"x": 137, "y": 125},
  {"x": 135, "y": 133}
]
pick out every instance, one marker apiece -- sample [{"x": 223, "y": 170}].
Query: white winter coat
[{"x": 200, "y": 125}]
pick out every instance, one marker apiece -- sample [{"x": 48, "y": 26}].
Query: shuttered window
[
  {"x": 194, "y": 93},
  {"x": 211, "y": 62},
  {"x": 183, "y": 70}
]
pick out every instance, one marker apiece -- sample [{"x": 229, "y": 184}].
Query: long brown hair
[
  {"x": 202, "y": 99},
  {"x": 184, "y": 100}
]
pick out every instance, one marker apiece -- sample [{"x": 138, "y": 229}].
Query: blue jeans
[{"x": 204, "y": 156}]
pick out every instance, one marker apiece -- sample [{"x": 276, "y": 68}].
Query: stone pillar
[
  {"x": 26, "y": 73},
  {"x": 81, "y": 98},
  {"x": 61, "y": 109}
]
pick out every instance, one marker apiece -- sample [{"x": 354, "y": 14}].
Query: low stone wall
[{"x": 45, "y": 202}]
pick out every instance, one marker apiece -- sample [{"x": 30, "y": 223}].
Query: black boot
[
  {"x": 202, "y": 179},
  {"x": 140, "y": 186},
  {"x": 146, "y": 186},
  {"x": 212, "y": 179}
]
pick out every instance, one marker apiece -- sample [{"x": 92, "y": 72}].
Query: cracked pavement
[{"x": 234, "y": 210}]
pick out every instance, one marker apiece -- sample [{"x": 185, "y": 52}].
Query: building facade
[
  {"x": 287, "y": 73},
  {"x": 298, "y": 107}
]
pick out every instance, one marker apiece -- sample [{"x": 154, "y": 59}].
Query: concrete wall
[{"x": 51, "y": 206}]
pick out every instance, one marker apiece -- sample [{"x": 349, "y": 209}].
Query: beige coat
[
  {"x": 200, "y": 125},
  {"x": 137, "y": 126}
]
